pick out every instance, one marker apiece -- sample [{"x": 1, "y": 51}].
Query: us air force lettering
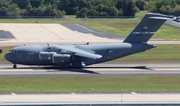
[{"x": 83, "y": 55}]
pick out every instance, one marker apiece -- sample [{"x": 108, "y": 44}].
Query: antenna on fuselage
[{"x": 87, "y": 43}]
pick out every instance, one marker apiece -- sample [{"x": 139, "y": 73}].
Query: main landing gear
[{"x": 14, "y": 66}]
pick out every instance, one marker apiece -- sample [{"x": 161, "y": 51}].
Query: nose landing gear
[{"x": 14, "y": 66}]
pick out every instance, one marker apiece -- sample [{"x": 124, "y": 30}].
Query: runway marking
[
  {"x": 134, "y": 93},
  {"x": 172, "y": 69},
  {"x": 85, "y": 28},
  {"x": 13, "y": 94},
  {"x": 13, "y": 35},
  {"x": 50, "y": 31},
  {"x": 21, "y": 68},
  {"x": 88, "y": 29}
]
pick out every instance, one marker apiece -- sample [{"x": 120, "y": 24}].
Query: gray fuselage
[{"x": 30, "y": 55}]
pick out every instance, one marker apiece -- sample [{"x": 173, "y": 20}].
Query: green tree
[
  {"x": 14, "y": 10},
  {"x": 165, "y": 10},
  {"x": 120, "y": 12},
  {"x": 3, "y": 11},
  {"x": 21, "y": 3},
  {"x": 130, "y": 8},
  {"x": 5, "y": 3},
  {"x": 176, "y": 10},
  {"x": 82, "y": 13},
  {"x": 7, "y": 8},
  {"x": 140, "y": 4},
  {"x": 4, "y": 7},
  {"x": 113, "y": 11},
  {"x": 151, "y": 6},
  {"x": 160, "y": 3},
  {"x": 92, "y": 12}
]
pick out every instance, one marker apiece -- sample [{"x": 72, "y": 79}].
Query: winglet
[{"x": 147, "y": 27}]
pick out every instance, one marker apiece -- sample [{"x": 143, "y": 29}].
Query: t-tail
[{"x": 146, "y": 28}]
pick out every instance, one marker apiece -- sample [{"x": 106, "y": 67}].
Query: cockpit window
[{"x": 13, "y": 51}]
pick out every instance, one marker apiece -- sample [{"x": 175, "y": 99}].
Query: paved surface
[
  {"x": 47, "y": 33},
  {"x": 84, "y": 29},
  {"x": 20, "y": 34},
  {"x": 74, "y": 98},
  {"x": 5, "y": 34},
  {"x": 160, "y": 69}
]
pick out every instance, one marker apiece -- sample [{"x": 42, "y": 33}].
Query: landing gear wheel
[{"x": 14, "y": 66}]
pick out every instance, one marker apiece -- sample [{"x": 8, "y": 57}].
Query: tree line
[
  {"x": 168, "y": 7},
  {"x": 85, "y": 8},
  {"x": 58, "y": 8}
]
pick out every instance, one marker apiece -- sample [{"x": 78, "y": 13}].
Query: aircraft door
[{"x": 31, "y": 57}]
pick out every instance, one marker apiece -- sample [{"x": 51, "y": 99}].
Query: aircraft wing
[
  {"x": 77, "y": 51},
  {"x": 88, "y": 55}
]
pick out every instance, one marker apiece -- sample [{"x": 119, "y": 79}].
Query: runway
[
  {"x": 93, "y": 99},
  {"x": 159, "y": 69}
]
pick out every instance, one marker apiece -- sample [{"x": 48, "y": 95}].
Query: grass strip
[
  {"x": 162, "y": 53},
  {"x": 90, "y": 84}
]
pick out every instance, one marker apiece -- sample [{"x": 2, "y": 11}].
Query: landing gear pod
[
  {"x": 45, "y": 55},
  {"x": 61, "y": 58}
]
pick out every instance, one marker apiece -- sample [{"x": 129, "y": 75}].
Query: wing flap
[
  {"x": 88, "y": 55},
  {"x": 85, "y": 49}
]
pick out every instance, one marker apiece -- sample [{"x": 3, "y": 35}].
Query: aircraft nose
[{"x": 7, "y": 56}]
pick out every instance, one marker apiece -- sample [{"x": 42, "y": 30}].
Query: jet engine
[
  {"x": 45, "y": 55},
  {"x": 61, "y": 58}
]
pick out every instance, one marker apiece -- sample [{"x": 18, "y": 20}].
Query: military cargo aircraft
[{"x": 83, "y": 55}]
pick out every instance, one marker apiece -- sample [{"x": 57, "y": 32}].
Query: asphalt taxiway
[{"x": 156, "y": 69}]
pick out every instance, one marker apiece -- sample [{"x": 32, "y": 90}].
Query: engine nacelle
[
  {"x": 61, "y": 58},
  {"x": 46, "y": 55}
]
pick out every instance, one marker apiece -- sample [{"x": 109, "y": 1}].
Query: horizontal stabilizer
[{"x": 160, "y": 18}]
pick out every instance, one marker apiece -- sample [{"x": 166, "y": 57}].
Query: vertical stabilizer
[{"x": 146, "y": 28}]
